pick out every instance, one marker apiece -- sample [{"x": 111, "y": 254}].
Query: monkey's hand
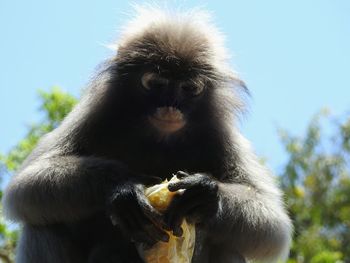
[
  {"x": 198, "y": 203},
  {"x": 132, "y": 213}
]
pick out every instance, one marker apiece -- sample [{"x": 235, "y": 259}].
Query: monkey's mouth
[{"x": 167, "y": 119}]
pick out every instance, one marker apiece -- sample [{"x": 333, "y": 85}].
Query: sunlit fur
[{"x": 59, "y": 194}]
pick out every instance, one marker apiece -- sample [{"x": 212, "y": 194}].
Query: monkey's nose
[{"x": 170, "y": 97}]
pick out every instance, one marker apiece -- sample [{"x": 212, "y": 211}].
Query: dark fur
[{"x": 63, "y": 190}]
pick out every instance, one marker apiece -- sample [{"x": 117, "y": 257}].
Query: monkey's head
[{"x": 173, "y": 69}]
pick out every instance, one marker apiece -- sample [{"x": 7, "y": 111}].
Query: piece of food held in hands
[{"x": 177, "y": 249}]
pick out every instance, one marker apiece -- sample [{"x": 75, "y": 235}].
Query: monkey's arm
[
  {"x": 60, "y": 188},
  {"x": 251, "y": 222},
  {"x": 251, "y": 217},
  {"x": 243, "y": 212},
  {"x": 239, "y": 216}
]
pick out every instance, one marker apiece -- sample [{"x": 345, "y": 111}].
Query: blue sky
[{"x": 294, "y": 56}]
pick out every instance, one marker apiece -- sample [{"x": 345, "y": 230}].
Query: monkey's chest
[{"x": 167, "y": 162}]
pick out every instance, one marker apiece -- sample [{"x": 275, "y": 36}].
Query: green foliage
[
  {"x": 55, "y": 105},
  {"x": 8, "y": 240},
  {"x": 327, "y": 257},
  {"x": 316, "y": 181}
]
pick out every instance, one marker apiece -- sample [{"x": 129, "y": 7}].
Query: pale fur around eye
[
  {"x": 146, "y": 79},
  {"x": 152, "y": 80},
  {"x": 191, "y": 88}
]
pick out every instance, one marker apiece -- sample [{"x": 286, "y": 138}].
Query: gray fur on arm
[
  {"x": 59, "y": 189},
  {"x": 252, "y": 218}
]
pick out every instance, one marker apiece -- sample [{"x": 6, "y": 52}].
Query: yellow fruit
[{"x": 178, "y": 249}]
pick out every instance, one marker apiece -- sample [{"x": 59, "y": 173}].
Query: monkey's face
[
  {"x": 170, "y": 100},
  {"x": 163, "y": 99}
]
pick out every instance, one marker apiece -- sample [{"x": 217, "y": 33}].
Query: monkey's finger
[
  {"x": 155, "y": 216},
  {"x": 146, "y": 228},
  {"x": 155, "y": 232},
  {"x": 150, "y": 212},
  {"x": 176, "y": 226},
  {"x": 179, "y": 209},
  {"x": 176, "y": 220},
  {"x": 185, "y": 183},
  {"x": 150, "y": 228},
  {"x": 180, "y": 201},
  {"x": 182, "y": 174},
  {"x": 187, "y": 201},
  {"x": 132, "y": 228}
]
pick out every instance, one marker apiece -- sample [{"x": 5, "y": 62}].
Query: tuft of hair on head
[{"x": 189, "y": 35}]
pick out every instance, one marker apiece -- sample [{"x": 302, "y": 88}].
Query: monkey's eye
[
  {"x": 151, "y": 80},
  {"x": 191, "y": 88}
]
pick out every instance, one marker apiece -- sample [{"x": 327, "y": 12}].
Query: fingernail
[{"x": 171, "y": 187}]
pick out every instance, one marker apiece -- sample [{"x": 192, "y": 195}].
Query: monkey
[{"x": 167, "y": 102}]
